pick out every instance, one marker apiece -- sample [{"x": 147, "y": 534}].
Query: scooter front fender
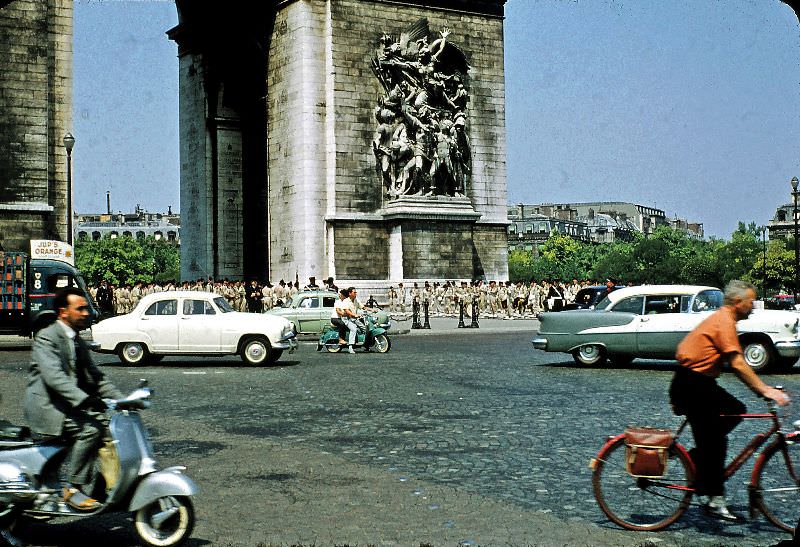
[{"x": 167, "y": 482}]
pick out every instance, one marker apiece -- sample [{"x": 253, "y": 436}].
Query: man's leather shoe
[
  {"x": 80, "y": 501},
  {"x": 719, "y": 509}
]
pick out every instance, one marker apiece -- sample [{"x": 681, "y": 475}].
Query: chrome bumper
[
  {"x": 539, "y": 343},
  {"x": 788, "y": 349},
  {"x": 288, "y": 342}
]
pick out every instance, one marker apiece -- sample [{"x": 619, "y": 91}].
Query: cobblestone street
[{"x": 457, "y": 437}]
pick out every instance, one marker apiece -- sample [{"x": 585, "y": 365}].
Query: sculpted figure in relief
[{"x": 421, "y": 141}]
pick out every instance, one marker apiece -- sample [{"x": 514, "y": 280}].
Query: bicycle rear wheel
[
  {"x": 636, "y": 503},
  {"x": 777, "y": 485}
]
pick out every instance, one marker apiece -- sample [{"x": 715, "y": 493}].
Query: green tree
[{"x": 124, "y": 260}]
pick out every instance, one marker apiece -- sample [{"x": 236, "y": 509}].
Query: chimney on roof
[
  {"x": 169, "y": 209},
  {"x": 108, "y": 202}
]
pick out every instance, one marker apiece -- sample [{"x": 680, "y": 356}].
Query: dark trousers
[
  {"x": 339, "y": 324},
  {"x": 702, "y": 400},
  {"x": 86, "y": 434}
]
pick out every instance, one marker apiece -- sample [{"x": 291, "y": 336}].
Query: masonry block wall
[
  {"x": 357, "y": 25},
  {"x": 36, "y": 106},
  {"x": 322, "y": 93},
  {"x": 298, "y": 141}
]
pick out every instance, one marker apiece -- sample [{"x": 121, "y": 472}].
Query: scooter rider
[
  {"x": 64, "y": 393},
  {"x": 346, "y": 311},
  {"x": 357, "y": 307},
  {"x": 337, "y": 316}
]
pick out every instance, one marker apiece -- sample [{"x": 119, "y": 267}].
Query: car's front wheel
[
  {"x": 590, "y": 354},
  {"x": 758, "y": 353},
  {"x": 133, "y": 353},
  {"x": 255, "y": 350}
]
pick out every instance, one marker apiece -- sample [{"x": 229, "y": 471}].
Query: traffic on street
[{"x": 457, "y": 436}]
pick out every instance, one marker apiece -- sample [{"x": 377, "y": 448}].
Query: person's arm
[{"x": 751, "y": 380}]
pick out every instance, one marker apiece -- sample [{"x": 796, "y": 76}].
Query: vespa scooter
[
  {"x": 128, "y": 479},
  {"x": 329, "y": 340}
]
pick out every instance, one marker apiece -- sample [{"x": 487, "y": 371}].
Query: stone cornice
[
  {"x": 27, "y": 207},
  {"x": 492, "y": 8}
]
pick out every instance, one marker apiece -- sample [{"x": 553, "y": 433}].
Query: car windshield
[
  {"x": 708, "y": 300},
  {"x": 603, "y": 304},
  {"x": 223, "y": 305}
]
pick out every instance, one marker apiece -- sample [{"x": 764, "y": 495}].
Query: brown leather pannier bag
[{"x": 646, "y": 450}]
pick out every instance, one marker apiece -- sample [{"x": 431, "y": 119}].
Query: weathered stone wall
[
  {"x": 196, "y": 201},
  {"x": 437, "y": 250},
  {"x": 298, "y": 149},
  {"x": 36, "y": 107},
  {"x": 361, "y": 250},
  {"x": 491, "y": 251},
  {"x": 356, "y": 27}
]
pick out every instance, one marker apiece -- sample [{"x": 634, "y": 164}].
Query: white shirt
[{"x": 342, "y": 305}]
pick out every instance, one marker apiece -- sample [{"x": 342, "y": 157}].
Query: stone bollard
[
  {"x": 427, "y": 324},
  {"x": 461, "y": 324},
  {"x": 474, "y": 323},
  {"x": 415, "y": 324}
]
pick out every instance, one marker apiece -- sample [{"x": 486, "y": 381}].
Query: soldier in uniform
[
  {"x": 401, "y": 298},
  {"x": 267, "y": 295},
  {"x": 279, "y": 293},
  {"x": 392, "y": 296}
]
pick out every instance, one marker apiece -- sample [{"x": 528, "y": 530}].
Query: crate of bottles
[{"x": 12, "y": 283}]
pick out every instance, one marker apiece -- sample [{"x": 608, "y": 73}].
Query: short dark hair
[
  {"x": 350, "y": 289},
  {"x": 62, "y": 295}
]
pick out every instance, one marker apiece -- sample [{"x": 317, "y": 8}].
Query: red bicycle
[{"x": 649, "y": 504}]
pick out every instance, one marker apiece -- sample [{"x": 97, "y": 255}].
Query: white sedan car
[{"x": 192, "y": 323}]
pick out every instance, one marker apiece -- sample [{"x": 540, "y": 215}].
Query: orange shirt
[{"x": 703, "y": 350}]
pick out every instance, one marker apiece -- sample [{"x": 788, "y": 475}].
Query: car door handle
[
  {"x": 645, "y": 319},
  {"x": 185, "y": 318}
]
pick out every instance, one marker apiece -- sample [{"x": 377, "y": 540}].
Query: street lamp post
[
  {"x": 796, "y": 246},
  {"x": 69, "y": 142},
  {"x": 764, "y": 262}
]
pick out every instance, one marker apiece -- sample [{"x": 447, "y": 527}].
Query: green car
[{"x": 310, "y": 312}]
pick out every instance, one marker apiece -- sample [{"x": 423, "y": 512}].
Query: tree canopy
[
  {"x": 666, "y": 256},
  {"x": 124, "y": 260}
]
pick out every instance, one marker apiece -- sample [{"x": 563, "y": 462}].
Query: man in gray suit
[{"x": 63, "y": 397}]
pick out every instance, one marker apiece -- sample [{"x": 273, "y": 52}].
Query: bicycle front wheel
[
  {"x": 637, "y": 503},
  {"x": 778, "y": 486}
]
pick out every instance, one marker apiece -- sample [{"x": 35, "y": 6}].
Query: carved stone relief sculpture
[{"x": 421, "y": 142}]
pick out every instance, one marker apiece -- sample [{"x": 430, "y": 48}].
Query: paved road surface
[{"x": 455, "y": 437}]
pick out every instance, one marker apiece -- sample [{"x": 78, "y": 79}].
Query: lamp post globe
[{"x": 69, "y": 143}]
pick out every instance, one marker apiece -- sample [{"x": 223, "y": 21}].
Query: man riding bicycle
[{"x": 694, "y": 391}]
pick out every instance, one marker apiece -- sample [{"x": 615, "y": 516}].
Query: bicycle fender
[{"x": 167, "y": 482}]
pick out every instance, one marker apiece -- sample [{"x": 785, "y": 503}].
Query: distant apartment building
[
  {"x": 595, "y": 222},
  {"x": 138, "y": 224}
]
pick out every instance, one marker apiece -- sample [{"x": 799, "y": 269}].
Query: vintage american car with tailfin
[
  {"x": 649, "y": 322},
  {"x": 193, "y": 323}
]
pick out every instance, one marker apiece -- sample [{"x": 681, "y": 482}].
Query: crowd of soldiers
[
  {"x": 497, "y": 299},
  {"x": 242, "y": 296}
]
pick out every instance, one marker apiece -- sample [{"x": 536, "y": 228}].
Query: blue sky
[{"x": 689, "y": 106}]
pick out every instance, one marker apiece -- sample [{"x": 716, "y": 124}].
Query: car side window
[
  {"x": 662, "y": 303},
  {"x": 707, "y": 301},
  {"x": 197, "y": 307},
  {"x": 163, "y": 307},
  {"x": 632, "y": 304},
  {"x": 328, "y": 301},
  {"x": 309, "y": 302}
]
